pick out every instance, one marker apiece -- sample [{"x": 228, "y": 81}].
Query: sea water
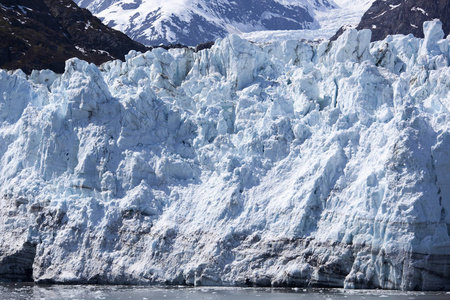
[{"x": 31, "y": 291}]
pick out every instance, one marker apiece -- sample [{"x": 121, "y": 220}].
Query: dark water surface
[{"x": 30, "y": 291}]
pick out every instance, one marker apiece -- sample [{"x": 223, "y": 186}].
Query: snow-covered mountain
[
  {"x": 191, "y": 22},
  {"x": 343, "y": 13},
  {"x": 284, "y": 164}
]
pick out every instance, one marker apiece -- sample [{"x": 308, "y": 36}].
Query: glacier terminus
[{"x": 264, "y": 164}]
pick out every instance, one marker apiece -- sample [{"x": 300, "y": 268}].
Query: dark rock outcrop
[
  {"x": 18, "y": 266},
  {"x": 387, "y": 17},
  {"x": 43, "y": 34}
]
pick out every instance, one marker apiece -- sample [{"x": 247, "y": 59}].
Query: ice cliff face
[
  {"x": 197, "y": 21},
  {"x": 278, "y": 164}
]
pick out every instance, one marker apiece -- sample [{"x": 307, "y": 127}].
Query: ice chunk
[{"x": 433, "y": 34}]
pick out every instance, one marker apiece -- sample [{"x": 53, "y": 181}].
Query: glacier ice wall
[{"x": 288, "y": 164}]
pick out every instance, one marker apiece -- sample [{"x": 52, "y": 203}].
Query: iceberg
[{"x": 279, "y": 164}]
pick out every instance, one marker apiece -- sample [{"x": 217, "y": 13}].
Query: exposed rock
[
  {"x": 387, "y": 17},
  {"x": 43, "y": 34},
  {"x": 18, "y": 266}
]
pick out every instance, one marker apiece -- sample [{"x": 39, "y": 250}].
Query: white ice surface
[
  {"x": 346, "y": 13},
  {"x": 224, "y": 165}
]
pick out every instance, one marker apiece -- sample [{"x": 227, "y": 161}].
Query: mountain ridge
[
  {"x": 40, "y": 34},
  {"x": 388, "y": 17},
  {"x": 198, "y": 21}
]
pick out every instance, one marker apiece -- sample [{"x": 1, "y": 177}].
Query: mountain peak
[{"x": 199, "y": 21}]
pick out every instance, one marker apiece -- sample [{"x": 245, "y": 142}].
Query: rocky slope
[
  {"x": 197, "y": 21},
  {"x": 387, "y": 17},
  {"x": 43, "y": 34},
  {"x": 289, "y": 164}
]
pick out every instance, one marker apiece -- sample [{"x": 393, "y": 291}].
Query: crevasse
[{"x": 287, "y": 164}]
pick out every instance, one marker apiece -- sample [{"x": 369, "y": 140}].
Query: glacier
[
  {"x": 275, "y": 164},
  {"x": 347, "y": 13}
]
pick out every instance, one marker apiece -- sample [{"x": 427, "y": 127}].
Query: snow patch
[{"x": 421, "y": 10}]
